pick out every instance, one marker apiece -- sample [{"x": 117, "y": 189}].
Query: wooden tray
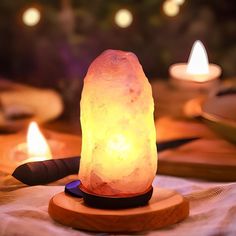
[{"x": 210, "y": 157}]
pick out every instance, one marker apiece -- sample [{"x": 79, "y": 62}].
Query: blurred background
[{"x": 51, "y": 43}]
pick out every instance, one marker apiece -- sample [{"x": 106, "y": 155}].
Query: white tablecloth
[{"x": 23, "y": 210}]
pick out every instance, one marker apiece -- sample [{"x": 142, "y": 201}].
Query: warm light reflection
[
  {"x": 37, "y": 146},
  {"x": 123, "y": 18},
  {"x": 31, "y": 16},
  {"x": 198, "y": 60},
  {"x": 170, "y": 8}
]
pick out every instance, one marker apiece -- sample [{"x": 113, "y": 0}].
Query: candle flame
[
  {"x": 198, "y": 60},
  {"x": 37, "y": 146}
]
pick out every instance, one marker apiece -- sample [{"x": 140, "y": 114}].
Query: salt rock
[{"x": 119, "y": 155}]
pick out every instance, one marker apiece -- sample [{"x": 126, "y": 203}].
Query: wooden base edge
[{"x": 166, "y": 207}]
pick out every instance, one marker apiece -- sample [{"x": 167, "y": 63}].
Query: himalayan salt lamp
[{"x": 119, "y": 156}]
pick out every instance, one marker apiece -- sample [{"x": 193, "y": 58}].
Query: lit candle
[
  {"x": 36, "y": 147},
  {"x": 119, "y": 156},
  {"x": 198, "y": 73}
]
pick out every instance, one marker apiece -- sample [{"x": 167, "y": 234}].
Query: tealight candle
[
  {"x": 198, "y": 73},
  {"x": 36, "y": 147}
]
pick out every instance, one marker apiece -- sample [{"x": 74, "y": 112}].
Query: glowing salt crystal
[{"x": 119, "y": 155}]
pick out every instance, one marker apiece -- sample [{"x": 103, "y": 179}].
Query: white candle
[{"x": 198, "y": 73}]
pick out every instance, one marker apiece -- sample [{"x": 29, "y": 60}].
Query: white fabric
[{"x": 23, "y": 210}]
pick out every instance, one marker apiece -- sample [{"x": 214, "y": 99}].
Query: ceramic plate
[{"x": 219, "y": 112}]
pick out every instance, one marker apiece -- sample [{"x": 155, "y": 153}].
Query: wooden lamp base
[{"x": 166, "y": 207}]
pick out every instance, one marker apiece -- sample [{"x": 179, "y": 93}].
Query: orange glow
[
  {"x": 119, "y": 155},
  {"x": 118, "y": 143},
  {"x": 198, "y": 60},
  {"x": 37, "y": 146}
]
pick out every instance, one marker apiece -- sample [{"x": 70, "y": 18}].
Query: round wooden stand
[{"x": 166, "y": 207}]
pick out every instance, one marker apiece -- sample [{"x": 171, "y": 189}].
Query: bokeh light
[
  {"x": 123, "y": 18},
  {"x": 170, "y": 8},
  {"x": 31, "y": 16},
  {"x": 178, "y": 2}
]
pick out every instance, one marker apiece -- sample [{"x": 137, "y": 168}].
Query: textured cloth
[{"x": 23, "y": 210}]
